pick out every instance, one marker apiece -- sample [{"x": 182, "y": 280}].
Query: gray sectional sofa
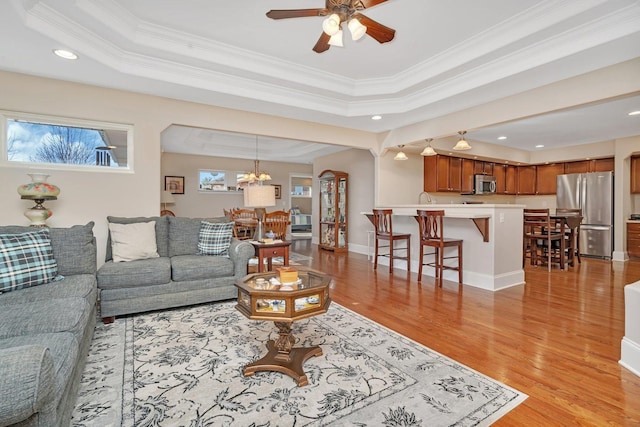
[
  {"x": 177, "y": 277},
  {"x": 45, "y": 333}
]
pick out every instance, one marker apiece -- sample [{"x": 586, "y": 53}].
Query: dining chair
[
  {"x": 573, "y": 234},
  {"x": 431, "y": 227},
  {"x": 383, "y": 224},
  {"x": 244, "y": 223},
  {"x": 277, "y": 222},
  {"x": 538, "y": 234}
]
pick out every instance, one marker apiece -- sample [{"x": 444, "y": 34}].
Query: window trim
[{"x": 46, "y": 119}]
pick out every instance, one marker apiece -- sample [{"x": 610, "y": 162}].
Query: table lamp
[
  {"x": 259, "y": 197},
  {"x": 166, "y": 198}
]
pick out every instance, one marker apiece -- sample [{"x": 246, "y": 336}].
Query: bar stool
[
  {"x": 431, "y": 234},
  {"x": 384, "y": 231}
]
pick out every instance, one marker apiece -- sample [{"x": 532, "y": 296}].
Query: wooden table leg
[{"x": 283, "y": 357}]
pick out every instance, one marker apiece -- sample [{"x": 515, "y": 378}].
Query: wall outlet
[{"x": 501, "y": 216}]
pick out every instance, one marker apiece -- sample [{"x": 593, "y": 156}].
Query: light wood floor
[{"x": 557, "y": 338}]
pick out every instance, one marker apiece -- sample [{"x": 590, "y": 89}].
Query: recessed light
[
  {"x": 502, "y": 138},
  {"x": 635, "y": 113},
  {"x": 376, "y": 117},
  {"x": 539, "y": 146},
  {"x": 66, "y": 54}
]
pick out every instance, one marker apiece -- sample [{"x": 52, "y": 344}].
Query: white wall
[
  {"x": 359, "y": 164},
  {"x": 194, "y": 203}
]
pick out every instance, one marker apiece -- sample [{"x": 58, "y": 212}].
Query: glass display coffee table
[{"x": 261, "y": 298}]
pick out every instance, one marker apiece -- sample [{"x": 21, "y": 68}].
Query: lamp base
[{"x": 258, "y": 235}]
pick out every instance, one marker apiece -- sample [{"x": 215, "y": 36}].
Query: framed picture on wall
[
  {"x": 174, "y": 184},
  {"x": 278, "y": 190}
]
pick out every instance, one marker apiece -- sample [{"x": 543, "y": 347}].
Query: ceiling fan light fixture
[
  {"x": 336, "y": 39},
  {"x": 462, "y": 144},
  {"x": 428, "y": 150},
  {"x": 331, "y": 25},
  {"x": 357, "y": 29},
  {"x": 401, "y": 155}
]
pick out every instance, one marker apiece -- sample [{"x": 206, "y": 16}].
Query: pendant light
[
  {"x": 462, "y": 144},
  {"x": 256, "y": 175},
  {"x": 401, "y": 155},
  {"x": 428, "y": 150}
]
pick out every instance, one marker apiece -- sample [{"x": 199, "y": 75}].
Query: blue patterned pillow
[
  {"x": 215, "y": 238},
  {"x": 26, "y": 260}
]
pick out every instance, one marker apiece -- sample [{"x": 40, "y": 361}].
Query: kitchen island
[{"x": 492, "y": 241}]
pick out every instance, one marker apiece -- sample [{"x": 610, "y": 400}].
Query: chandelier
[{"x": 255, "y": 176}]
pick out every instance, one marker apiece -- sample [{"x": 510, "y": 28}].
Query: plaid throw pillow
[
  {"x": 26, "y": 260},
  {"x": 215, "y": 238}
]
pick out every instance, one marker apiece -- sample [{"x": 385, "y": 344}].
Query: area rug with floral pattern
[{"x": 183, "y": 367}]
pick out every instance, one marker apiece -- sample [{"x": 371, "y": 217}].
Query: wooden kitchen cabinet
[
  {"x": 593, "y": 165},
  {"x": 511, "y": 179},
  {"x": 468, "y": 170},
  {"x": 633, "y": 239},
  {"x": 482, "y": 167},
  {"x": 526, "y": 180},
  {"x": 546, "y": 177},
  {"x": 442, "y": 173},
  {"x": 430, "y": 174},
  {"x": 635, "y": 175},
  {"x": 499, "y": 171}
]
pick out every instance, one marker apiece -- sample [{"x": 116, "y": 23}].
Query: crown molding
[{"x": 252, "y": 75}]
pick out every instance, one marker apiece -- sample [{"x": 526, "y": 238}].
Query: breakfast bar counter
[{"x": 492, "y": 241}]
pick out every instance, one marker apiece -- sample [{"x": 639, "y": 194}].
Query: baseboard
[
  {"x": 630, "y": 355},
  {"x": 620, "y": 256}
]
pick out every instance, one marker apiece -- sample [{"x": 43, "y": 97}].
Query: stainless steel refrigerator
[{"x": 593, "y": 193}]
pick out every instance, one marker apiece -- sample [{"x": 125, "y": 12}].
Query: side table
[{"x": 269, "y": 251}]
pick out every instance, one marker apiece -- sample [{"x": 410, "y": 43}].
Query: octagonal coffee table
[{"x": 260, "y": 298}]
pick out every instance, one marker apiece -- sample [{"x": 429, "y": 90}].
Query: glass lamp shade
[
  {"x": 428, "y": 151},
  {"x": 401, "y": 156},
  {"x": 462, "y": 145},
  {"x": 331, "y": 25},
  {"x": 357, "y": 29},
  {"x": 259, "y": 196},
  {"x": 336, "y": 39}
]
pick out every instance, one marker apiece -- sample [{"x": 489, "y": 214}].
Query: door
[
  {"x": 597, "y": 204},
  {"x": 596, "y": 240},
  {"x": 568, "y": 192}
]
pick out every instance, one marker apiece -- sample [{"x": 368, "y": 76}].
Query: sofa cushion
[
  {"x": 184, "y": 233},
  {"x": 215, "y": 238},
  {"x": 74, "y": 248},
  {"x": 26, "y": 259},
  {"x": 130, "y": 242},
  {"x": 53, "y": 315},
  {"x": 78, "y": 285},
  {"x": 162, "y": 232},
  {"x": 196, "y": 267},
  {"x": 143, "y": 272}
]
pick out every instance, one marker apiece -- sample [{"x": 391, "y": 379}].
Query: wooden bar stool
[
  {"x": 432, "y": 235},
  {"x": 384, "y": 231}
]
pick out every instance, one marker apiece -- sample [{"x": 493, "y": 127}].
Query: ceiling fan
[{"x": 338, "y": 12}]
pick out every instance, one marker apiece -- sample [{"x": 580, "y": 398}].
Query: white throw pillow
[{"x": 130, "y": 242}]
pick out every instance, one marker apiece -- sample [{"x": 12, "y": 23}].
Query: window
[
  {"x": 216, "y": 180},
  {"x": 65, "y": 143}
]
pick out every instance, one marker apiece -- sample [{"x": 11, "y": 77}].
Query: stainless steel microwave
[{"x": 484, "y": 184}]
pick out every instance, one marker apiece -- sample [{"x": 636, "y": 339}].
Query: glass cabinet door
[{"x": 333, "y": 211}]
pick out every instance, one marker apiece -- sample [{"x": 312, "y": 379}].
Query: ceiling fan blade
[
  {"x": 375, "y": 29},
  {"x": 323, "y": 43},
  {"x": 369, "y": 3},
  {"x": 296, "y": 13}
]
